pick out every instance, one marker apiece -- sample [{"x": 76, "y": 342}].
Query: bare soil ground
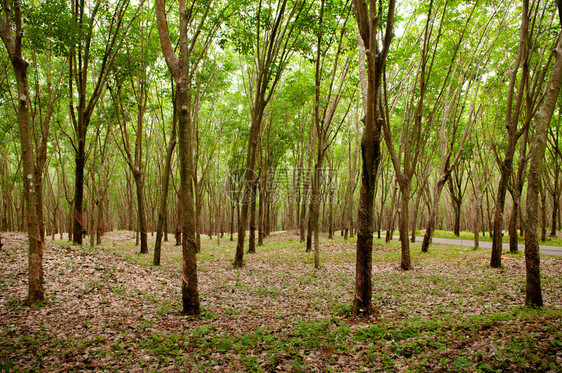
[{"x": 108, "y": 308}]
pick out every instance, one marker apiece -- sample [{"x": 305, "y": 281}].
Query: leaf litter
[{"x": 107, "y": 308}]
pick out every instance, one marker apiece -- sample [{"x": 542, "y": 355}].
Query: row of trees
[{"x": 287, "y": 114}]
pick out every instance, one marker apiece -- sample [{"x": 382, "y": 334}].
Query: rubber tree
[
  {"x": 552, "y": 180},
  {"x": 271, "y": 47},
  {"x": 89, "y": 70},
  {"x": 513, "y": 109},
  {"x": 375, "y": 47},
  {"x": 133, "y": 155},
  {"x": 533, "y": 293},
  {"x": 325, "y": 108},
  {"x": 162, "y": 211},
  {"x": 131, "y": 98},
  {"x": 414, "y": 130},
  {"x": 533, "y": 95},
  {"x": 452, "y": 135},
  {"x": 11, "y": 32},
  {"x": 528, "y": 72},
  {"x": 179, "y": 67}
]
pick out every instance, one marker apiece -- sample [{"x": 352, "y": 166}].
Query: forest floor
[{"x": 108, "y": 308}]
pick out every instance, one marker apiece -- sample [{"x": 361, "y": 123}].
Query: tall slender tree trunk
[
  {"x": 198, "y": 211},
  {"x": 306, "y": 197},
  {"x": 248, "y": 193},
  {"x": 392, "y": 210},
  {"x": 331, "y": 214},
  {"x": 505, "y": 169},
  {"x": 405, "y": 263},
  {"x": 543, "y": 209},
  {"x": 555, "y": 199},
  {"x": 79, "y": 192},
  {"x": 517, "y": 190},
  {"x": 13, "y": 43},
  {"x": 233, "y": 207},
  {"x": 164, "y": 199},
  {"x": 261, "y": 232},
  {"x": 512, "y": 228},
  {"x": 512, "y": 118},
  {"x": 457, "y": 224},
  {"x": 533, "y": 293},
  {"x": 141, "y": 213},
  {"x": 99, "y": 225},
  {"x": 315, "y": 206},
  {"x": 476, "y": 225},
  {"x": 252, "y": 235},
  {"x": 179, "y": 67},
  {"x": 433, "y": 214},
  {"x": 190, "y": 292},
  {"x": 372, "y": 74},
  {"x": 415, "y": 217}
]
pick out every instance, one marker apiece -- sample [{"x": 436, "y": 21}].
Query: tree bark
[
  {"x": 80, "y": 63},
  {"x": 370, "y": 143},
  {"x": 433, "y": 214},
  {"x": 315, "y": 207},
  {"x": 533, "y": 293},
  {"x": 252, "y": 235},
  {"x": 512, "y": 117},
  {"x": 165, "y": 186},
  {"x": 543, "y": 208},
  {"x": 405, "y": 262},
  {"x": 13, "y": 42},
  {"x": 179, "y": 68},
  {"x": 79, "y": 192}
]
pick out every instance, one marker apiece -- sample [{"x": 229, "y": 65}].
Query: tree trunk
[
  {"x": 370, "y": 150},
  {"x": 141, "y": 213},
  {"x": 555, "y": 207},
  {"x": 261, "y": 232},
  {"x": 252, "y": 235},
  {"x": 302, "y": 216},
  {"x": 210, "y": 208},
  {"x": 513, "y": 223},
  {"x": 79, "y": 192},
  {"x": 267, "y": 218},
  {"x": 331, "y": 214},
  {"x": 512, "y": 118},
  {"x": 309, "y": 228},
  {"x": 13, "y": 42},
  {"x": 165, "y": 186},
  {"x": 406, "y": 263},
  {"x": 506, "y": 169},
  {"x": 415, "y": 217},
  {"x": 371, "y": 79},
  {"x": 476, "y": 225},
  {"x": 180, "y": 70},
  {"x": 543, "y": 209},
  {"x": 433, "y": 214},
  {"x": 249, "y": 194},
  {"x": 391, "y": 217},
  {"x": 198, "y": 211},
  {"x": 457, "y": 226},
  {"x": 232, "y": 222},
  {"x": 99, "y": 226},
  {"x": 533, "y": 296},
  {"x": 315, "y": 197},
  {"x": 190, "y": 292}
]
